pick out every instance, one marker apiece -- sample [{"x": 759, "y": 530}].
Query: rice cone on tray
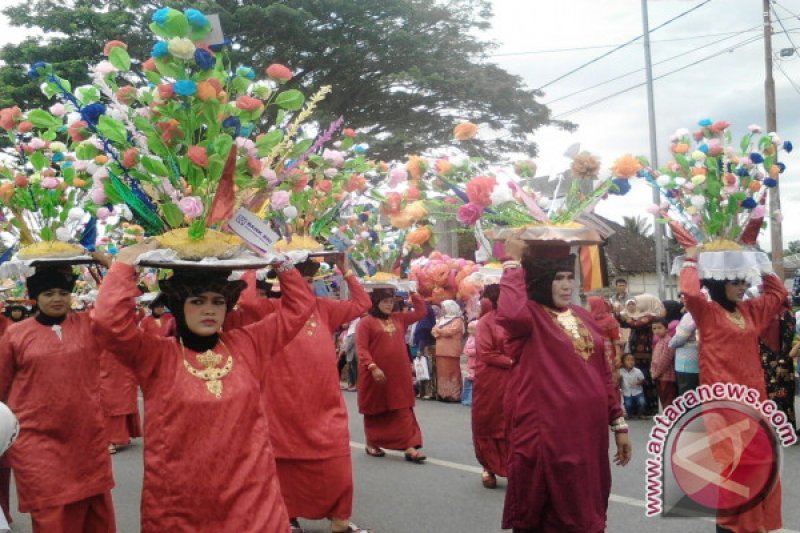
[
  {"x": 714, "y": 195},
  {"x": 141, "y": 141}
]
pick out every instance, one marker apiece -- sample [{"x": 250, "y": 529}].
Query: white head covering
[
  {"x": 450, "y": 311},
  {"x": 9, "y": 428}
]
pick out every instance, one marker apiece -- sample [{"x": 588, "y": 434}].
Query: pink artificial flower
[
  {"x": 49, "y": 183},
  {"x": 280, "y": 199},
  {"x": 98, "y": 196},
  {"x": 397, "y": 176},
  {"x": 654, "y": 209},
  {"x": 269, "y": 175},
  {"x": 758, "y": 211},
  {"x": 104, "y": 68},
  {"x": 103, "y": 213},
  {"x": 279, "y": 72},
  {"x": 469, "y": 213},
  {"x": 191, "y": 206},
  {"x": 37, "y": 143},
  {"x": 110, "y": 45},
  {"x": 333, "y": 157},
  {"x": 57, "y": 109}
]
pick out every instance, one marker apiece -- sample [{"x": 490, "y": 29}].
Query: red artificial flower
[
  {"x": 78, "y": 131},
  {"x": 198, "y": 156},
  {"x": 110, "y": 45},
  {"x": 149, "y": 65},
  {"x": 412, "y": 193},
  {"x": 170, "y": 130},
  {"x": 469, "y": 213},
  {"x": 166, "y": 91},
  {"x": 248, "y": 103},
  {"x": 479, "y": 190},
  {"x": 25, "y": 126},
  {"x": 357, "y": 182},
  {"x": 324, "y": 186},
  {"x": 127, "y": 94},
  {"x": 350, "y": 133},
  {"x": 130, "y": 157},
  {"x": 254, "y": 166},
  {"x": 393, "y": 202},
  {"x": 719, "y": 126},
  {"x": 279, "y": 72}
]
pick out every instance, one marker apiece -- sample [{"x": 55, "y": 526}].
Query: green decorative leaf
[
  {"x": 39, "y": 161},
  {"x": 119, "y": 58},
  {"x": 172, "y": 214},
  {"x": 85, "y": 151},
  {"x": 300, "y": 148},
  {"x": 154, "y": 166},
  {"x": 176, "y": 24},
  {"x": 197, "y": 229},
  {"x": 216, "y": 164},
  {"x": 222, "y": 144},
  {"x": 240, "y": 84},
  {"x": 158, "y": 30},
  {"x": 153, "y": 77},
  {"x": 112, "y": 129},
  {"x": 46, "y": 234},
  {"x": 169, "y": 69},
  {"x": 49, "y": 135},
  {"x": 745, "y": 144},
  {"x": 87, "y": 94},
  {"x": 265, "y": 143},
  {"x": 291, "y": 100},
  {"x": 68, "y": 173},
  {"x": 42, "y": 119}
]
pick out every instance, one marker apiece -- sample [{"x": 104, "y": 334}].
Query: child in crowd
[
  {"x": 662, "y": 367},
  {"x": 631, "y": 381},
  {"x": 468, "y": 363}
]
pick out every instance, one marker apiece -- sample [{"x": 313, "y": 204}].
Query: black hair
[
  {"x": 621, "y": 280},
  {"x": 492, "y": 293},
  {"x": 674, "y": 310},
  {"x": 662, "y": 321}
]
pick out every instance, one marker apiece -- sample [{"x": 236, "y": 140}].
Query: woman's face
[
  {"x": 734, "y": 290},
  {"x": 16, "y": 315},
  {"x": 54, "y": 302},
  {"x": 386, "y": 306},
  {"x": 205, "y": 313},
  {"x": 563, "y": 285}
]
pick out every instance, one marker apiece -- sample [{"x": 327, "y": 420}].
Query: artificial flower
[
  {"x": 469, "y": 213},
  {"x": 279, "y": 72},
  {"x": 205, "y": 60},
  {"x": 185, "y": 88},
  {"x": 191, "y": 206},
  {"x": 196, "y": 18},
  {"x": 198, "y": 156},
  {"x": 160, "y": 49},
  {"x": 416, "y": 166},
  {"x": 465, "y": 131},
  {"x": 279, "y": 199},
  {"x": 585, "y": 166},
  {"x": 626, "y": 166},
  {"x": 181, "y": 47},
  {"x": 91, "y": 113},
  {"x": 525, "y": 168},
  {"x": 479, "y": 190}
]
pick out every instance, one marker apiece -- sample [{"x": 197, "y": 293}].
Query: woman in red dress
[
  {"x": 49, "y": 377},
  {"x": 560, "y": 401},
  {"x": 159, "y": 321},
  {"x": 385, "y": 385},
  {"x": 728, "y": 329},
  {"x": 208, "y": 462},
  {"x": 492, "y": 372}
]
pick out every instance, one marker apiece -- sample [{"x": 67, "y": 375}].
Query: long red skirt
[
  {"x": 121, "y": 429},
  {"x": 5, "y": 492},
  {"x": 448, "y": 378},
  {"x": 94, "y": 514},
  {"x": 317, "y": 489},
  {"x": 492, "y": 454},
  {"x": 394, "y": 430}
]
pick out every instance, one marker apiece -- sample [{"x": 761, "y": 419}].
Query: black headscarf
[
  {"x": 674, "y": 310},
  {"x": 9, "y": 310},
  {"x": 188, "y": 283},
  {"x": 46, "y": 279},
  {"x": 376, "y": 296},
  {"x": 308, "y": 268},
  {"x": 158, "y": 301},
  {"x": 716, "y": 290},
  {"x": 540, "y": 273}
]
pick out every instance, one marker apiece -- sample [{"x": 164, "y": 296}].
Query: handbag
[{"x": 421, "y": 369}]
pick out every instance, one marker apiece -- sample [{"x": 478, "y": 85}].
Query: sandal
[
  {"x": 294, "y": 526},
  {"x": 489, "y": 480},
  {"x": 352, "y": 528},
  {"x": 415, "y": 457},
  {"x": 374, "y": 451},
  {"x": 112, "y": 449}
]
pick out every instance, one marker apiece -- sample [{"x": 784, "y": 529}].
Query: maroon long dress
[
  {"x": 559, "y": 408},
  {"x": 388, "y": 408},
  {"x": 492, "y": 371}
]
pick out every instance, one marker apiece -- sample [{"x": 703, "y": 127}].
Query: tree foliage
[
  {"x": 638, "y": 226},
  {"x": 403, "y": 71}
]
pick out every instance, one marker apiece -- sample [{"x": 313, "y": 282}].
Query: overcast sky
[{"x": 729, "y": 86}]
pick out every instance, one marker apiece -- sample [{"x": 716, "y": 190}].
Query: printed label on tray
[{"x": 253, "y": 230}]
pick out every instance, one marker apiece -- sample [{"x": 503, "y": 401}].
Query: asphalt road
[{"x": 445, "y": 495}]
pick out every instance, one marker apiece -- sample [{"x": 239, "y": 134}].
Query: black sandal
[
  {"x": 374, "y": 451},
  {"x": 352, "y": 528},
  {"x": 415, "y": 457}
]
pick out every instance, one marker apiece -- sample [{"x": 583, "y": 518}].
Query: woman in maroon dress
[
  {"x": 560, "y": 401},
  {"x": 488, "y": 392},
  {"x": 208, "y": 461},
  {"x": 385, "y": 385}
]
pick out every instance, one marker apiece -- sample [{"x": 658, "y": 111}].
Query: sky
[{"x": 729, "y": 85}]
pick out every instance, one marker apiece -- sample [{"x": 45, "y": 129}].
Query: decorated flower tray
[
  {"x": 25, "y": 267},
  {"x": 579, "y": 235},
  {"x": 730, "y": 264},
  {"x": 166, "y": 258},
  {"x": 400, "y": 285}
]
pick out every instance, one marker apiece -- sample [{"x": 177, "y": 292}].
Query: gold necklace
[
  {"x": 576, "y": 330},
  {"x": 311, "y": 324},
  {"x": 210, "y": 374},
  {"x": 388, "y": 326},
  {"x": 737, "y": 318}
]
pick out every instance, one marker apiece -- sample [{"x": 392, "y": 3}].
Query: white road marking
[{"x": 625, "y": 500}]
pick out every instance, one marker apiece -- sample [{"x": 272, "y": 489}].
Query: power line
[
  {"x": 621, "y": 46},
  {"x": 785, "y": 75},
  {"x": 679, "y": 69},
  {"x": 783, "y": 28},
  {"x": 615, "y": 78}
]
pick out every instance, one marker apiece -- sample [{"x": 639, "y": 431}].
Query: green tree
[
  {"x": 404, "y": 71},
  {"x": 637, "y": 225}
]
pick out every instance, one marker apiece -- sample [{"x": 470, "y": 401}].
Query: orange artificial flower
[
  {"x": 680, "y": 148},
  {"x": 443, "y": 166},
  {"x": 626, "y": 166},
  {"x": 479, "y": 190},
  {"x": 110, "y": 45},
  {"x": 416, "y": 166},
  {"x": 419, "y": 236},
  {"x": 465, "y": 131},
  {"x": 206, "y": 91},
  {"x": 279, "y": 72},
  {"x": 248, "y": 103}
]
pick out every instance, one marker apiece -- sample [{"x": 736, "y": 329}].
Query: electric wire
[{"x": 621, "y": 46}]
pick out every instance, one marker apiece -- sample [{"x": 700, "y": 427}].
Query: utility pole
[
  {"x": 776, "y": 230},
  {"x": 659, "y": 235}
]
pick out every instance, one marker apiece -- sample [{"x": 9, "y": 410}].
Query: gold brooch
[{"x": 210, "y": 374}]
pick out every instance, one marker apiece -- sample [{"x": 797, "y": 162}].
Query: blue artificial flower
[
  {"x": 781, "y": 167},
  {"x": 92, "y": 112},
  {"x": 749, "y": 203},
  {"x": 756, "y": 158},
  {"x": 373, "y": 236},
  {"x": 742, "y": 172},
  {"x": 246, "y": 72},
  {"x": 196, "y": 18},
  {"x": 706, "y": 122},
  {"x": 770, "y": 182},
  {"x": 160, "y": 49},
  {"x": 787, "y": 145},
  {"x": 160, "y": 16},
  {"x": 246, "y": 130},
  {"x": 360, "y": 148},
  {"x": 185, "y": 88},
  {"x": 58, "y": 156},
  {"x": 232, "y": 122},
  {"x": 622, "y": 187},
  {"x": 67, "y": 164},
  {"x": 703, "y": 148},
  {"x": 363, "y": 217},
  {"x": 204, "y": 59},
  {"x": 35, "y": 68}
]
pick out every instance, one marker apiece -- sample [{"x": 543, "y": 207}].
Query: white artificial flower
[
  {"x": 697, "y": 155},
  {"x": 181, "y": 47},
  {"x": 754, "y": 128},
  {"x": 680, "y": 182},
  {"x": 682, "y": 132},
  {"x": 774, "y": 137},
  {"x": 501, "y": 194},
  {"x": 63, "y": 234},
  {"x": 663, "y": 180},
  {"x": 698, "y": 201},
  {"x": 73, "y": 117},
  {"x": 290, "y": 211},
  {"x": 75, "y": 213}
]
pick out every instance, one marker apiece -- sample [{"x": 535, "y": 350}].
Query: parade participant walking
[
  {"x": 49, "y": 377},
  {"x": 159, "y": 321},
  {"x": 449, "y": 335},
  {"x": 310, "y": 437},
  {"x": 492, "y": 372},
  {"x": 208, "y": 462},
  {"x": 385, "y": 387},
  {"x": 728, "y": 330},
  {"x": 560, "y": 400}
]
